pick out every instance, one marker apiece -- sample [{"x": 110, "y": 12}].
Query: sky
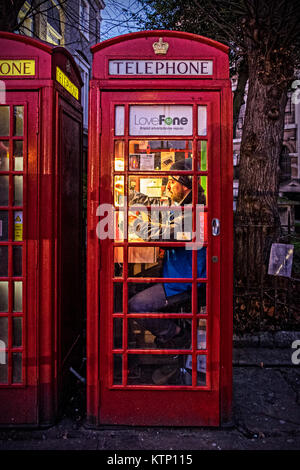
[{"x": 118, "y": 18}]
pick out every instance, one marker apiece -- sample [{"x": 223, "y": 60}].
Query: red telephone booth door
[
  {"x": 18, "y": 254},
  {"x": 150, "y": 142}
]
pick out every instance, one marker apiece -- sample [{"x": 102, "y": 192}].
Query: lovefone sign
[{"x": 161, "y": 120}]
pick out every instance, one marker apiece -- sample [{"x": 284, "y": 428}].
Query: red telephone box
[
  {"x": 40, "y": 227},
  {"x": 159, "y": 294}
]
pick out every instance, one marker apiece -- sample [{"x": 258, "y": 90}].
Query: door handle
[{"x": 215, "y": 227}]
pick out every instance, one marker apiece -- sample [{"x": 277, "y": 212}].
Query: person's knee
[{"x": 134, "y": 306}]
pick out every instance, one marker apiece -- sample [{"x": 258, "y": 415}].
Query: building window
[
  {"x": 84, "y": 14},
  {"x": 54, "y": 34},
  {"x": 285, "y": 165},
  {"x": 26, "y": 27}
]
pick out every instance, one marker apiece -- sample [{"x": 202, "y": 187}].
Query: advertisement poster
[{"x": 161, "y": 120}]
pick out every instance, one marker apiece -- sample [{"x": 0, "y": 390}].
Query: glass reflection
[
  {"x": 4, "y": 190},
  {"x": 17, "y": 332},
  {"x": 202, "y": 155},
  {"x": 118, "y": 297},
  {"x": 16, "y": 367},
  {"x": 117, "y": 333},
  {"x": 3, "y": 332},
  {"x": 3, "y": 296},
  {"x": 119, "y": 191},
  {"x": 18, "y": 120},
  {"x": 4, "y": 155},
  {"x": 18, "y": 155},
  {"x": 3, "y": 261},
  {"x": 119, "y": 156},
  {"x": 4, "y": 120},
  {"x": 18, "y": 185},
  {"x": 117, "y": 369},
  {"x": 3, "y": 226},
  {"x": 17, "y": 261},
  {"x": 118, "y": 261},
  {"x": 18, "y": 295}
]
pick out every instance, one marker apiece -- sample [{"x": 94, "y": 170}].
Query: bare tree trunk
[{"x": 257, "y": 222}]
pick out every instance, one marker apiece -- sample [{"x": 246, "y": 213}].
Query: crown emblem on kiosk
[{"x": 160, "y": 47}]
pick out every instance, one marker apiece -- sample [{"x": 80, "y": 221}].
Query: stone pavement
[{"x": 266, "y": 412}]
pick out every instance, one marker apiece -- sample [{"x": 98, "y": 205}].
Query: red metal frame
[
  {"x": 36, "y": 400},
  {"x": 180, "y": 405}
]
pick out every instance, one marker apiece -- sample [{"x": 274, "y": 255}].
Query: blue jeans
[{"x": 153, "y": 299}]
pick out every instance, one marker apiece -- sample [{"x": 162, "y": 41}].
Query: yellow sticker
[
  {"x": 13, "y": 68},
  {"x": 18, "y": 227},
  {"x": 66, "y": 83}
]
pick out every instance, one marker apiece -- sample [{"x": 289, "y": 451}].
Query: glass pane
[
  {"x": 118, "y": 333},
  {"x": 202, "y": 194},
  {"x": 118, "y": 297},
  {"x": 159, "y": 333},
  {"x": 17, "y": 261},
  {"x": 3, "y": 226},
  {"x": 160, "y": 190},
  {"x": 201, "y": 370},
  {"x": 201, "y": 334},
  {"x": 202, "y": 155},
  {"x": 3, "y": 332},
  {"x": 4, "y": 120},
  {"x": 16, "y": 367},
  {"x": 4, "y": 190},
  {"x": 168, "y": 120},
  {"x": 117, "y": 365},
  {"x": 18, "y": 195},
  {"x": 3, "y": 366},
  {"x": 144, "y": 262},
  {"x": 119, "y": 156},
  {"x": 18, "y": 120},
  {"x": 119, "y": 120},
  {"x": 159, "y": 154},
  {"x": 18, "y": 288},
  {"x": 18, "y": 226},
  {"x": 156, "y": 369},
  {"x": 17, "y": 332},
  {"x": 18, "y": 155},
  {"x": 118, "y": 261},
  {"x": 167, "y": 297},
  {"x": 202, "y": 120},
  {"x": 201, "y": 229},
  {"x": 119, "y": 226},
  {"x": 4, "y": 155},
  {"x": 202, "y": 288},
  {"x": 119, "y": 191},
  {"x": 3, "y": 296},
  {"x": 3, "y": 261}
]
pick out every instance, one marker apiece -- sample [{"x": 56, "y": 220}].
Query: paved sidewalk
[{"x": 266, "y": 414}]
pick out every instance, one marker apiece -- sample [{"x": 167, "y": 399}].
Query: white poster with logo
[{"x": 161, "y": 120}]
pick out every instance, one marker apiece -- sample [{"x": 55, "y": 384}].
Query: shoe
[
  {"x": 162, "y": 375},
  {"x": 181, "y": 341}
]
